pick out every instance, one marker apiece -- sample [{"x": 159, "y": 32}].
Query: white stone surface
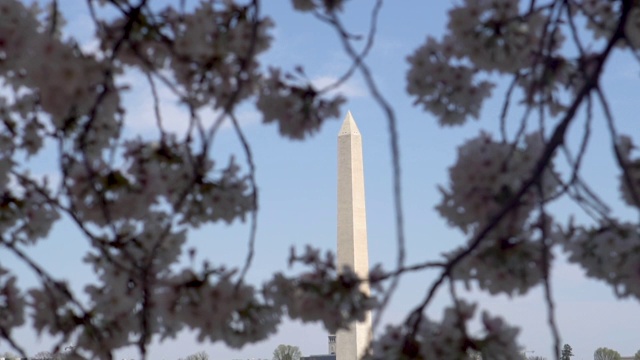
[{"x": 352, "y": 231}]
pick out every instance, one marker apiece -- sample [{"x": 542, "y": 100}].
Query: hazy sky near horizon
[{"x": 297, "y": 183}]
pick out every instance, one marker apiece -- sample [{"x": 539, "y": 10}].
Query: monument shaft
[{"x": 352, "y": 231}]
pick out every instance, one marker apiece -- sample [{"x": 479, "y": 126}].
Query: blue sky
[{"x": 297, "y": 183}]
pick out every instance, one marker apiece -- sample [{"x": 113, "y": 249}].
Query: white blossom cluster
[
  {"x": 449, "y": 338},
  {"x": 135, "y": 197},
  {"x": 155, "y": 174},
  {"x": 609, "y": 252},
  {"x": 486, "y": 176},
  {"x": 12, "y": 302},
  {"x": 206, "y": 50},
  {"x": 298, "y": 110},
  {"x": 629, "y": 187},
  {"x": 321, "y": 294},
  {"x": 447, "y": 90},
  {"x": 236, "y": 313},
  {"x": 169, "y": 170},
  {"x": 486, "y": 36},
  {"x": 26, "y": 214},
  {"x": 603, "y": 19},
  {"x": 52, "y": 310},
  {"x": 494, "y": 35},
  {"x": 76, "y": 91},
  {"x": 503, "y": 265}
]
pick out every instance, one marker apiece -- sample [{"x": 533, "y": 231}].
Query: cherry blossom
[
  {"x": 603, "y": 18},
  {"x": 12, "y": 302},
  {"x": 494, "y": 35},
  {"x": 487, "y": 175},
  {"x": 630, "y": 188},
  {"x": 298, "y": 110},
  {"x": 322, "y": 293},
  {"x": 448, "y": 91},
  {"x": 449, "y": 339},
  {"x": 135, "y": 197},
  {"x": 609, "y": 252}
]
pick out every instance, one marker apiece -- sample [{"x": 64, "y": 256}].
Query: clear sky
[{"x": 297, "y": 183}]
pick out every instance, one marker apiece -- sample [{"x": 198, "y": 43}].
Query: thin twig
[
  {"x": 546, "y": 266},
  {"x": 156, "y": 104},
  {"x": 412, "y": 268},
  {"x": 373, "y": 25},
  {"x": 505, "y": 108},
  {"x": 254, "y": 197}
]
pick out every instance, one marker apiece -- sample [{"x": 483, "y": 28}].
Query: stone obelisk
[{"x": 353, "y": 252}]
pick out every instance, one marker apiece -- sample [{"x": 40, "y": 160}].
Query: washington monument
[{"x": 353, "y": 252}]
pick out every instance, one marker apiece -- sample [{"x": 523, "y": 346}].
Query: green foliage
[
  {"x": 286, "y": 352},
  {"x": 604, "y": 353},
  {"x": 197, "y": 356},
  {"x": 567, "y": 352},
  {"x": 637, "y": 355}
]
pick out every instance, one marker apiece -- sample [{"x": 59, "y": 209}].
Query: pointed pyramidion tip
[{"x": 349, "y": 126}]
